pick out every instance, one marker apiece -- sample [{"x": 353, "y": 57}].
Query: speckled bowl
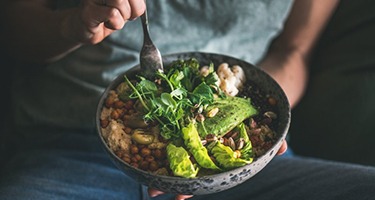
[{"x": 221, "y": 181}]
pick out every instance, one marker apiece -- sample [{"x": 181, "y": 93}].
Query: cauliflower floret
[
  {"x": 231, "y": 79},
  {"x": 240, "y": 76}
]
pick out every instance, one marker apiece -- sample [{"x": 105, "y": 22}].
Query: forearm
[
  {"x": 287, "y": 58},
  {"x": 289, "y": 70},
  {"x": 33, "y": 32}
]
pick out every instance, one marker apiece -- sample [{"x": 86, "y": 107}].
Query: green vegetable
[
  {"x": 202, "y": 95},
  {"x": 195, "y": 147},
  {"x": 189, "y": 69},
  {"x": 141, "y": 137},
  {"x": 227, "y": 158},
  {"x": 123, "y": 90},
  {"x": 183, "y": 89},
  {"x": 232, "y": 111},
  {"x": 165, "y": 108},
  {"x": 180, "y": 163},
  {"x": 247, "y": 150}
]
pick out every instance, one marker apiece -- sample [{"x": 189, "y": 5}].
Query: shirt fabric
[{"x": 64, "y": 95}]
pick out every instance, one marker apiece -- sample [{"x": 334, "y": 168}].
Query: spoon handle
[
  {"x": 144, "y": 19},
  {"x": 150, "y": 57}
]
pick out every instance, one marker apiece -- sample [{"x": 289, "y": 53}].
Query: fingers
[
  {"x": 93, "y": 15},
  {"x": 129, "y": 9},
  {"x": 154, "y": 193},
  {"x": 114, "y": 13},
  {"x": 96, "y": 19},
  {"x": 283, "y": 148},
  {"x": 138, "y": 8},
  {"x": 182, "y": 197},
  {"x": 114, "y": 20}
]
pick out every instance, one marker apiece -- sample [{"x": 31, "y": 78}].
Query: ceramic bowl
[{"x": 217, "y": 182}]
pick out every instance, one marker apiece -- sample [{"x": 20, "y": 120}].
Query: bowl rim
[{"x": 269, "y": 152}]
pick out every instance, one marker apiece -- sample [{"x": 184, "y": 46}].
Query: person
[
  {"x": 67, "y": 52},
  {"x": 334, "y": 119}
]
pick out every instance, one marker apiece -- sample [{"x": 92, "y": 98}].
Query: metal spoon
[{"x": 150, "y": 57}]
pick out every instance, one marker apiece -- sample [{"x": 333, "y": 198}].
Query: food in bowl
[{"x": 190, "y": 121}]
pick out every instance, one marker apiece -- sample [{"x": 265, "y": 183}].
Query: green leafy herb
[{"x": 185, "y": 89}]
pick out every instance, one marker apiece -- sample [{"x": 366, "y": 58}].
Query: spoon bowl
[{"x": 150, "y": 57}]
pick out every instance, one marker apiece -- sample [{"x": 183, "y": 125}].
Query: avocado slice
[{"x": 232, "y": 111}]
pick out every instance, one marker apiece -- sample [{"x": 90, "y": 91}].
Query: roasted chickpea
[
  {"x": 144, "y": 165},
  {"x": 109, "y": 101},
  {"x": 134, "y": 164},
  {"x": 118, "y": 104},
  {"x": 157, "y": 153},
  {"x": 134, "y": 149},
  {"x": 126, "y": 158},
  {"x": 138, "y": 157},
  {"x": 104, "y": 123},
  {"x": 153, "y": 166},
  {"x": 127, "y": 130},
  {"x": 134, "y": 160},
  {"x": 145, "y": 152},
  {"x": 129, "y": 105},
  {"x": 116, "y": 113},
  {"x": 272, "y": 101},
  {"x": 149, "y": 158}
]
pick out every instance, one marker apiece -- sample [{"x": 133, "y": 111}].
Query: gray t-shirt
[{"x": 64, "y": 95}]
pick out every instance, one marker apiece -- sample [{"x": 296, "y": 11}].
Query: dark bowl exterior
[{"x": 221, "y": 181}]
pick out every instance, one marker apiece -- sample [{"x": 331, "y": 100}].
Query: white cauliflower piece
[
  {"x": 240, "y": 76},
  {"x": 231, "y": 79}
]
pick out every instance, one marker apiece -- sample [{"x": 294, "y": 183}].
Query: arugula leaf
[
  {"x": 176, "y": 78},
  {"x": 202, "y": 94},
  {"x": 211, "y": 79},
  {"x": 179, "y": 93},
  {"x": 146, "y": 86},
  {"x": 168, "y": 100}
]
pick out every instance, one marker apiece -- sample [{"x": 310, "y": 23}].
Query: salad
[{"x": 190, "y": 120}]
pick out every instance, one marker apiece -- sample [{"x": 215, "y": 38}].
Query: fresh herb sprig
[{"x": 179, "y": 90}]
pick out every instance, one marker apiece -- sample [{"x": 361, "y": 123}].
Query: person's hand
[
  {"x": 94, "y": 20},
  {"x": 283, "y": 148},
  {"x": 154, "y": 193}
]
